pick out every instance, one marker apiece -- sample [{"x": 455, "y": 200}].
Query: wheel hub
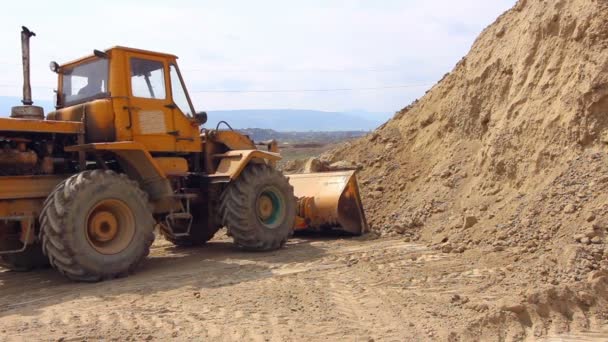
[
  {"x": 110, "y": 226},
  {"x": 103, "y": 226},
  {"x": 265, "y": 207},
  {"x": 270, "y": 207}
]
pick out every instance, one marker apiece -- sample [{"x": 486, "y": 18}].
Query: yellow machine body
[
  {"x": 139, "y": 120},
  {"x": 156, "y": 123}
]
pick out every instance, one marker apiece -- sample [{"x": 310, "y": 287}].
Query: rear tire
[
  {"x": 259, "y": 209},
  {"x": 31, "y": 258},
  {"x": 96, "y": 225}
]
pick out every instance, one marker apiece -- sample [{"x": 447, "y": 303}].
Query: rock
[
  {"x": 596, "y": 240},
  {"x": 389, "y": 146},
  {"x": 445, "y": 174},
  {"x": 439, "y": 239},
  {"x": 291, "y": 165},
  {"x": 314, "y": 165},
  {"x": 604, "y": 137},
  {"x": 586, "y": 298},
  {"x": 590, "y": 233},
  {"x": 501, "y": 33},
  {"x": 469, "y": 221},
  {"x": 599, "y": 226},
  {"x": 578, "y": 237},
  {"x": 585, "y": 241},
  {"x": 343, "y": 165},
  {"x": 446, "y": 249},
  {"x": 569, "y": 209},
  {"x": 591, "y": 218},
  {"x": 597, "y": 275},
  {"x": 513, "y": 307},
  {"x": 399, "y": 229},
  {"x": 375, "y": 194}
]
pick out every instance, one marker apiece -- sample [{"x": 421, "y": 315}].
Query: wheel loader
[{"x": 84, "y": 188}]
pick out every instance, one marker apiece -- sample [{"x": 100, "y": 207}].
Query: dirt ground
[{"x": 317, "y": 288}]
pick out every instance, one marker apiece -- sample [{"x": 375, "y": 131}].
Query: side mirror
[
  {"x": 200, "y": 118},
  {"x": 55, "y": 99}
]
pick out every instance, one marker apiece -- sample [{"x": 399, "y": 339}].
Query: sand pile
[
  {"x": 529, "y": 100},
  {"x": 506, "y": 156}
]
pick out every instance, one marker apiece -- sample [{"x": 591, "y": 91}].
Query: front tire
[
  {"x": 96, "y": 225},
  {"x": 259, "y": 209}
]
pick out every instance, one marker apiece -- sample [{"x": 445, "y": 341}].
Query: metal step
[
  {"x": 185, "y": 196},
  {"x": 179, "y": 216}
]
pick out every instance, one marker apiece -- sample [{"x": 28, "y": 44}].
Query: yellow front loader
[{"x": 124, "y": 152}]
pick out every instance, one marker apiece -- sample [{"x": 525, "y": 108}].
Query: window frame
[
  {"x": 183, "y": 84},
  {"x": 164, "y": 78},
  {"x": 62, "y": 98}
]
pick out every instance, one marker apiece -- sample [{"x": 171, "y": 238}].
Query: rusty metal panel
[
  {"x": 31, "y": 187},
  {"x": 21, "y": 207},
  {"x": 40, "y": 126},
  {"x": 97, "y": 116}
]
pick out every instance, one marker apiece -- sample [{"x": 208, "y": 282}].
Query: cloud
[{"x": 266, "y": 44}]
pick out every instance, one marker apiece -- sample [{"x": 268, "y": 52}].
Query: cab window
[
  {"x": 179, "y": 93},
  {"x": 85, "y": 82},
  {"x": 147, "y": 79}
]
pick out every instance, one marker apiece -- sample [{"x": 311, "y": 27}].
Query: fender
[
  {"x": 137, "y": 163},
  {"x": 232, "y": 163}
]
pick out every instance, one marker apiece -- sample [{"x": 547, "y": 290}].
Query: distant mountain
[
  {"x": 283, "y": 120},
  {"x": 264, "y": 134},
  {"x": 297, "y": 120}
]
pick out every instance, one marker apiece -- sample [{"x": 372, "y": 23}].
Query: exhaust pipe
[
  {"x": 26, "y": 34},
  {"x": 28, "y": 110}
]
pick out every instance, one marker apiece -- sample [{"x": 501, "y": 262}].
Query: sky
[{"x": 242, "y": 54}]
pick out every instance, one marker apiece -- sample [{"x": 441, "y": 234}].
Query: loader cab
[{"x": 125, "y": 94}]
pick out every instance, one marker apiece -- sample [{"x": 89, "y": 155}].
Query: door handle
[
  {"x": 128, "y": 109},
  {"x": 171, "y": 106}
]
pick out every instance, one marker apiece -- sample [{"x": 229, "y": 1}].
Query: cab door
[{"x": 150, "y": 105}]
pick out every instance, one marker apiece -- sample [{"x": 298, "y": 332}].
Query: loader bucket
[{"x": 329, "y": 201}]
